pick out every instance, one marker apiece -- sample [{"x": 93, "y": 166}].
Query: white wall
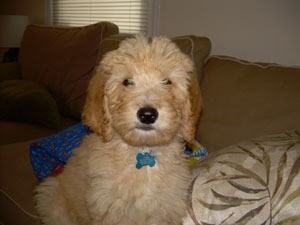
[{"x": 255, "y": 30}]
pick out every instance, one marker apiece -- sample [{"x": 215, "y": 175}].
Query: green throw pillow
[{"x": 27, "y": 101}]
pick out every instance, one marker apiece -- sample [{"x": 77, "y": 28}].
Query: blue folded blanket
[{"x": 49, "y": 155}]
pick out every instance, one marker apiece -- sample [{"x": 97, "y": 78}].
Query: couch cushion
[
  {"x": 63, "y": 59},
  {"x": 28, "y": 101},
  {"x": 198, "y": 48},
  {"x": 9, "y": 71},
  {"x": 244, "y": 100},
  {"x": 13, "y": 132},
  {"x": 17, "y": 182},
  {"x": 253, "y": 182}
]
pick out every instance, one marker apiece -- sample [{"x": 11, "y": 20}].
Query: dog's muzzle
[{"x": 147, "y": 115}]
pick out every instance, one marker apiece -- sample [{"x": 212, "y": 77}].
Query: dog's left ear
[
  {"x": 191, "y": 110},
  {"x": 96, "y": 113}
]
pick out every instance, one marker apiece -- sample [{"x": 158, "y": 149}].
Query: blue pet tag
[{"x": 145, "y": 159}]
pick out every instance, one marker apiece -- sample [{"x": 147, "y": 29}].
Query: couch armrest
[{"x": 10, "y": 71}]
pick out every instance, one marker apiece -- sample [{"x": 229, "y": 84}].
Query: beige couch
[{"x": 242, "y": 100}]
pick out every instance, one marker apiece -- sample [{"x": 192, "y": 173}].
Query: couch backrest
[
  {"x": 243, "y": 100},
  {"x": 63, "y": 59}
]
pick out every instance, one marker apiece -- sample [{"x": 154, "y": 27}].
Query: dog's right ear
[{"x": 96, "y": 112}]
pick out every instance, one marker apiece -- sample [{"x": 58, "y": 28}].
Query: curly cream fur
[{"x": 100, "y": 184}]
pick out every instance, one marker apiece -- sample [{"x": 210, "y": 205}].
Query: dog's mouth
[{"x": 145, "y": 127}]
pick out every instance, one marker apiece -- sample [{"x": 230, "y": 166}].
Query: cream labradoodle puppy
[{"x": 143, "y": 102}]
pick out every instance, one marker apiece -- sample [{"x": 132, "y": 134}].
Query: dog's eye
[
  {"x": 128, "y": 82},
  {"x": 166, "y": 82}
]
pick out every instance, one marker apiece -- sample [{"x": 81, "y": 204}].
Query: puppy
[{"x": 143, "y": 103}]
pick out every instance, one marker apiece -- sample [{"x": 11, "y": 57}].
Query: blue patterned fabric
[
  {"x": 195, "y": 152},
  {"x": 49, "y": 155}
]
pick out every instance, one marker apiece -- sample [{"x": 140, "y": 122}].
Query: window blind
[{"x": 132, "y": 16}]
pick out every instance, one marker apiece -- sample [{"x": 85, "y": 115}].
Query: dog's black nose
[{"x": 147, "y": 115}]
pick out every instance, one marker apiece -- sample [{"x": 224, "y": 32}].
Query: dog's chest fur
[{"x": 119, "y": 191}]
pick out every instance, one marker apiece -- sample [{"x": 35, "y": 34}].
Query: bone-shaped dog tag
[{"x": 145, "y": 159}]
